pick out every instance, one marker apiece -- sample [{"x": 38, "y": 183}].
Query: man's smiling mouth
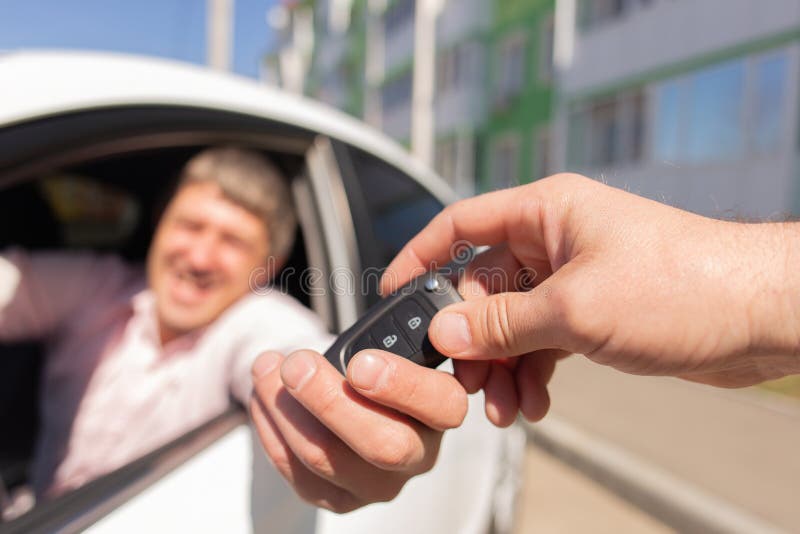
[{"x": 190, "y": 288}]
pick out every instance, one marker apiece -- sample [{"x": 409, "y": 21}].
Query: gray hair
[{"x": 246, "y": 178}]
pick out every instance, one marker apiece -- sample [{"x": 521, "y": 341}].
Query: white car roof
[{"x": 45, "y": 83}]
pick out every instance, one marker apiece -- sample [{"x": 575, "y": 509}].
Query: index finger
[{"x": 481, "y": 220}]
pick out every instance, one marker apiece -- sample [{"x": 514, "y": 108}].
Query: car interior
[{"x": 107, "y": 205}]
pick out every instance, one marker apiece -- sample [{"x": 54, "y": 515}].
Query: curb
[{"x": 671, "y": 500}]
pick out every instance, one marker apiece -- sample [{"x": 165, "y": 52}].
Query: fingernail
[
  {"x": 298, "y": 369},
  {"x": 451, "y": 331},
  {"x": 264, "y": 364},
  {"x": 367, "y": 371}
]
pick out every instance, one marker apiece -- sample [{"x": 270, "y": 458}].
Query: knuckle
[
  {"x": 428, "y": 461},
  {"x": 388, "y": 491},
  {"x": 325, "y": 399},
  {"x": 496, "y": 324},
  {"x": 563, "y": 302},
  {"x": 317, "y": 459},
  {"x": 395, "y": 451},
  {"x": 578, "y": 315},
  {"x": 457, "y": 404},
  {"x": 340, "y": 502}
]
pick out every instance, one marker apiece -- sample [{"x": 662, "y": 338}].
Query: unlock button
[{"x": 389, "y": 336}]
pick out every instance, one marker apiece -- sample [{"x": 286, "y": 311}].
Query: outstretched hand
[
  {"x": 627, "y": 282},
  {"x": 344, "y": 442}
]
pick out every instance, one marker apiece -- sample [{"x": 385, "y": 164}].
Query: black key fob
[{"x": 398, "y": 324}]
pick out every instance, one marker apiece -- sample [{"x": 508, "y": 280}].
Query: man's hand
[
  {"x": 342, "y": 442},
  {"x": 630, "y": 283}
]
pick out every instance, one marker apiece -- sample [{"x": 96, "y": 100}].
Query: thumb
[{"x": 502, "y": 325}]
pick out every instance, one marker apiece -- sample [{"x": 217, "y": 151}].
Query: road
[{"x": 739, "y": 446}]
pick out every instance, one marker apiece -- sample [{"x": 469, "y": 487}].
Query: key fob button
[
  {"x": 413, "y": 320},
  {"x": 388, "y": 336},
  {"x": 398, "y": 324}
]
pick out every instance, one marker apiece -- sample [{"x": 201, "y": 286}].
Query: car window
[
  {"x": 109, "y": 205},
  {"x": 388, "y": 207}
]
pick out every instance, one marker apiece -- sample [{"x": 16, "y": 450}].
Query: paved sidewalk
[
  {"x": 742, "y": 446},
  {"x": 558, "y": 499}
]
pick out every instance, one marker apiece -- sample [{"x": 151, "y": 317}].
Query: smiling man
[{"x": 136, "y": 359}]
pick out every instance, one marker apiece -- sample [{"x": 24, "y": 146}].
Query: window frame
[
  {"x": 506, "y": 140},
  {"x": 503, "y": 95},
  {"x": 37, "y": 146}
]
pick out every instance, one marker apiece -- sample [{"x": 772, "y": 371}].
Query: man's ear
[
  {"x": 275, "y": 265},
  {"x": 268, "y": 271}
]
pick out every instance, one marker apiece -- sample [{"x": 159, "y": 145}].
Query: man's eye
[
  {"x": 191, "y": 226},
  {"x": 235, "y": 242}
]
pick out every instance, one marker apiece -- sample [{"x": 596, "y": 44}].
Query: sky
[{"x": 173, "y": 29}]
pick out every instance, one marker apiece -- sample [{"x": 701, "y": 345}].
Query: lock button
[{"x": 413, "y": 319}]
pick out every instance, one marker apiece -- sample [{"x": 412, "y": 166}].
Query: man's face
[{"x": 203, "y": 252}]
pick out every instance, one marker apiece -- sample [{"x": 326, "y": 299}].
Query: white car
[{"x": 87, "y": 142}]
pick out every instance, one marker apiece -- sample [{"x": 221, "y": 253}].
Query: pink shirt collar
[{"x": 146, "y": 316}]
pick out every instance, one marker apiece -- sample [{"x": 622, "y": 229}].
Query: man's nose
[{"x": 202, "y": 252}]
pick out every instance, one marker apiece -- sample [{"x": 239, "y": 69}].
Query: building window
[
  {"x": 398, "y": 15},
  {"x": 397, "y": 92},
  {"x": 595, "y": 12},
  {"x": 446, "y": 154},
  {"x": 723, "y": 111},
  {"x": 511, "y": 69},
  {"x": 542, "y": 146},
  {"x": 714, "y": 129},
  {"x": 607, "y": 131},
  {"x": 455, "y": 161},
  {"x": 667, "y": 131},
  {"x": 458, "y": 66},
  {"x": 771, "y": 80},
  {"x": 505, "y": 162},
  {"x": 545, "y": 68}
]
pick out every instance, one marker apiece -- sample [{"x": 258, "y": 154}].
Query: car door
[{"x": 219, "y": 449}]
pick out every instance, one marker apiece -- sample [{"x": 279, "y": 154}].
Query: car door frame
[{"x": 322, "y": 220}]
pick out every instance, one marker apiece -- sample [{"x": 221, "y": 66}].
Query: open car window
[
  {"x": 108, "y": 204},
  {"x": 388, "y": 208}
]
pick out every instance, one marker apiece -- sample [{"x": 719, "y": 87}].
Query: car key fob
[{"x": 398, "y": 324}]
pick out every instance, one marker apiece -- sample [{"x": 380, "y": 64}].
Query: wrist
[{"x": 773, "y": 306}]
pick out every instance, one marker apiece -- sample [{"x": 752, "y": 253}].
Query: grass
[{"x": 788, "y": 385}]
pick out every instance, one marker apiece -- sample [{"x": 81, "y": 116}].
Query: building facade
[
  {"x": 337, "y": 70},
  {"x": 484, "y": 114},
  {"x": 519, "y": 88},
  {"x": 691, "y": 103}
]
